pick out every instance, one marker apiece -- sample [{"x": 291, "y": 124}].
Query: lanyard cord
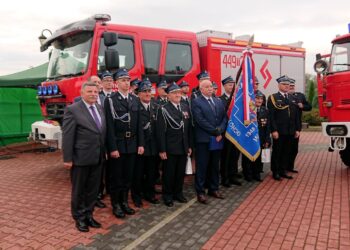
[{"x": 124, "y": 118}]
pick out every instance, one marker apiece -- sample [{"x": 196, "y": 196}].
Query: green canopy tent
[{"x": 19, "y": 107}]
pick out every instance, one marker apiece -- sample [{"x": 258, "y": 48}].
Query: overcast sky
[{"x": 315, "y": 23}]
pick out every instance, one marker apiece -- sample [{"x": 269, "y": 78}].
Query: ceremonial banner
[{"x": 242, "y": 128}]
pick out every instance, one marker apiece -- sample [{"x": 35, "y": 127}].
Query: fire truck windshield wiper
[{"x": 345, "y": 64}]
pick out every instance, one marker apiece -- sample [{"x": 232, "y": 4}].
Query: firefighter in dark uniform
[
  {"x": 124, "y": 139},
  {"x": 256, "y": 88},
  {"x": 264, "y": 133},
  {"x": 204, "y": 75},
  {"x": 185, "y": 88},
  {"x": 162, "y": 95},
  {"x": 134, "y": 85},
  {"x": 174, "y": 130},
  {"x": 302, "y": 104},
  {"x": 145, "y": 168},
  {"x": 229, "y": 154},
  {"x": 284, "y": 125},
  {"x": 215, "y": 87}
]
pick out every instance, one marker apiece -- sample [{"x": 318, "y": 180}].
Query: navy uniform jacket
[
  {"x": 123, "y": 135},
  {"x": 208, "y": 123},
  {"x": 171, "y": 139},
  {"x": 298, "y": 97},
  {"x": 161, "y": 101},
  {"x": 284, "y": 117},
  {"x": 224, "y": 98},
  {"x": 263, "y": 125},
  {"x": 148, "y": 123}
]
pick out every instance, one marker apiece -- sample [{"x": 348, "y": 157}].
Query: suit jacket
[
  {"x": 117, "y": 129},
  {"x": 207, "y": 122},
  {"x": 148, "y": 123},
  {"x": 171, "y": 140},
  {"x": 83, "y": 141},
  {"x": 283, "y": 115}
]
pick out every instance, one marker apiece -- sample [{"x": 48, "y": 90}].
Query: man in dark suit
[
  {"x": 230, "y": 154},
  {"x": 302, "y": 104},
  {"x": 124, "y": 139},
  {"x": 145, "y": 168},
  {"x": 210, "y": 123},
  {"x": 284, "y": 126},
  {"x": 175, "y": 144},
  {"x": 84, "y": 131}
]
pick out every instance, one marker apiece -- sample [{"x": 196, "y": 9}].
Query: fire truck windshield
[
  {"x": 70, "y": 55},
  {"x": 340, "y": 59}
]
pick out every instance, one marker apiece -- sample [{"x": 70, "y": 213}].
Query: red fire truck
[
  {"x": 90, "y": 46},
  {"x": 333, "y": 80}
]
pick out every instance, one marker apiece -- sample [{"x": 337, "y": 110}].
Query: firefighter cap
[
  {"x": 259, "y": 94},
  {"x": 228, "y": 79},
  {"x": 203, "y": 75},
  {"x": 145, "y": 85},
  {"x": 172, "y": 88},
  {"x": 183, "y": 84},
  {"x": 291, "y": 81},
  {"x": 283, "y": 79},
  {"x": 215, "y": 86},
  {"x": 135, "y": 82},
  {"x": 121, "y": 73},
  {"x": 162, "y": 84},
  {"x": 106, "y": 74}
]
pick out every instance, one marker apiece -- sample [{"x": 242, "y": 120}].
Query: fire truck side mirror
[
  {"x": 111, "y": 59},
  {"x": 320, "y": 66},
  {"x": 110, "y": 38}
]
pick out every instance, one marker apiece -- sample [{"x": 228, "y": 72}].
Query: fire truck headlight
[
  {"x": 49, "y": 90},
  {"x": 39, "y": 92},
  {"x": 320, "y": 66},
  {"x": 337, "y": 130},
  {"x": 55, "y": 89},
  {"x": 44, "y": 90}
]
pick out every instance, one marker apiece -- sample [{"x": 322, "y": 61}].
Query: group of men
[{"x": 117, "y": 141}]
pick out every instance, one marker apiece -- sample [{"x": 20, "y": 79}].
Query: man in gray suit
[{"x": 84, "y": 131}]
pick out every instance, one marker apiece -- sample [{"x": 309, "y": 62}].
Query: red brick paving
[
  {"x": 309, "y": 212},
  {"x": 35, "y": 205}
]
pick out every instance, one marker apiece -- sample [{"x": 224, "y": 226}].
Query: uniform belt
[{"x": 127, "y": 134}]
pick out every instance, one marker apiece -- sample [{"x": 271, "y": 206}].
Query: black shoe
[
  {"x": 248, "y": 179},
  {"x": 100, "y": 204},
  {"x": 118, "y": 212},
  {"x": 169, "y": 203},
  {"x": 235, "y": 182},
  {"x": 126, "y": 209},
  {"x": 277, "y": 177},
  {"x": 257, "y": 178},
  {"x": 238, "y": 175},
  {"x": 93, "y": 223},
  {"x": 153, "y": 200},
  {"x": 82, "y": 226},
  {"x": 181, "y": 199},
  {"x": 293, "y": 171},
  {"x": 286, "y": 176}
]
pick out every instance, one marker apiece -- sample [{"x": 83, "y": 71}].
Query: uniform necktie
[
  {"x": 211, "y": 103},
  {"x": 94, "y": 114},
  {"x": 286, "y": 98},
  {"x": 147, "y": 108},
  {"x": 178, "y": 108}
]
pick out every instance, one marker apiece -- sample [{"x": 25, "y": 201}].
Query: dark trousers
[
  {"x": 258, "y": 165},
  {"x": 144, "y": 177},
  {"x": 85, "y": 183},
  {"x": 105, "y": 182},
  {"x": 281, "y": 153},
  {"x": 294, "y": 152},
  {"x": 207, "y": 163},
  {"x": 173, "y": 176},
  {"x": 121, "y": 170},
  {"x": 251, "y": 169},
  {"x": 229, "y": 161}
]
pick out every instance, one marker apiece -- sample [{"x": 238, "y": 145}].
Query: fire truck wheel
[{"x": 345, "y": 154}]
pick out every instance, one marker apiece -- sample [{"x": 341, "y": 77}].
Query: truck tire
[{"x": 345, "y": 154}]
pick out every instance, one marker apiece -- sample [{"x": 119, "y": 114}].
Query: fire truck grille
[
  {"x": 345, "y": 101},
  {"x": 55, "y": 109}
]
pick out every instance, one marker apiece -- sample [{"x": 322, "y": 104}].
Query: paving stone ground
[{"x": 310, "y": 211}]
